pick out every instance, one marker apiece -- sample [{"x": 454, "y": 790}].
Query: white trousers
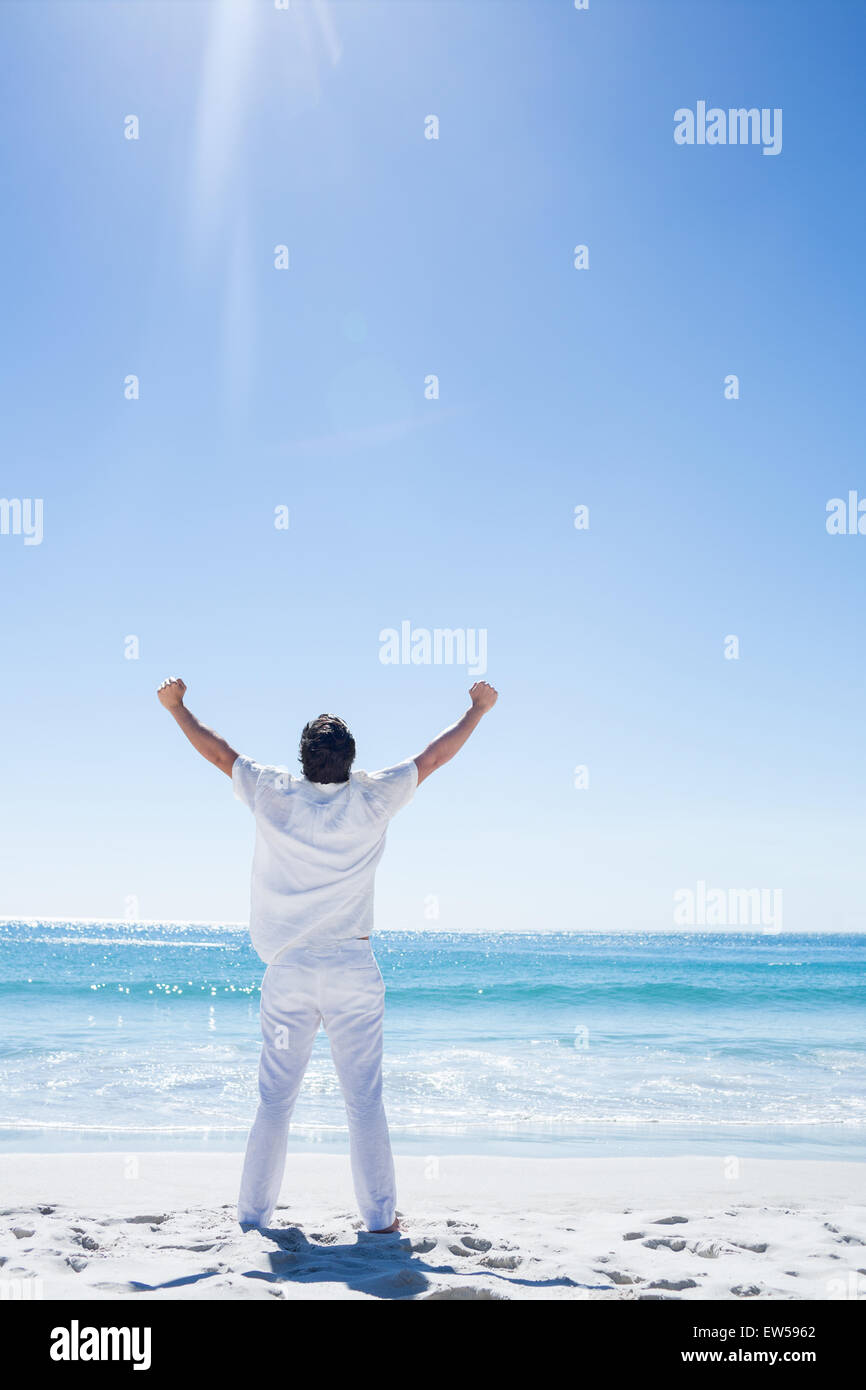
[{"x": 342, "y": 988}]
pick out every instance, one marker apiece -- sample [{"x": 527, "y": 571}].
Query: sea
[{"x": 132, "y": 1035}]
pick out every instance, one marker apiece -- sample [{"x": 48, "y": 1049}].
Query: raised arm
[
  {"x": 203, "y": 739},
  {"x": 443, "y": 748}
]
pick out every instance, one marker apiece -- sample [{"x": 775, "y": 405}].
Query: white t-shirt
[{"x": 317, "y": 847}]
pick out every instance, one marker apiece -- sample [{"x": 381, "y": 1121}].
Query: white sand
[{"x": 163, "y": 1226}]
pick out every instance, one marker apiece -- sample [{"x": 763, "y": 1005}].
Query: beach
[
  {"x": 162, "y": 1226},
  {"x": 573, "y": 1116}
]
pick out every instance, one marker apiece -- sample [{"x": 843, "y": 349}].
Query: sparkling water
[{"x": 127, "y": 1035}]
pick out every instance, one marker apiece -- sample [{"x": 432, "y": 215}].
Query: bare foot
[{"x": 386, "y": 1230}]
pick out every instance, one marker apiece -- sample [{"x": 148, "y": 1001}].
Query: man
[{"x": 318, "y": 840}]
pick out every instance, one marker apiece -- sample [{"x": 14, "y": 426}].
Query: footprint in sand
[
  {"x": 620, "y": 1276},
  {"x": 476, "y": 1242},
  {"x": 423, "y": 1246},
  {"x": 707, "y": 1249},
  {"x": 501, "y": 1261},
  {"x": 673, "y": 1284},
  {"x": 408, "y": 1281},
  {"x": 671, "y": 1221},
  {"x": 674, "y": 1243},
  {"x": 196, "y": 1247},
  {"x": 465, "y": 1291}
]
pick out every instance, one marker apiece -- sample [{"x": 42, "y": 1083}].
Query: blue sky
[{"x": 558, "y": 387}]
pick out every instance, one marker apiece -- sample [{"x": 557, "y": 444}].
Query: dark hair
[{"x": 327, "y": 749}]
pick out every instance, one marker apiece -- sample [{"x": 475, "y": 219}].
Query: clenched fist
[
  {"x": 171, "y": 692},
  {"x": 483, "y": 696}
]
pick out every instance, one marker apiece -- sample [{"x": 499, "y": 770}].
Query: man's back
[
  {"x": 318, "y": 841},
  {"x": 317, "y": 847}
]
